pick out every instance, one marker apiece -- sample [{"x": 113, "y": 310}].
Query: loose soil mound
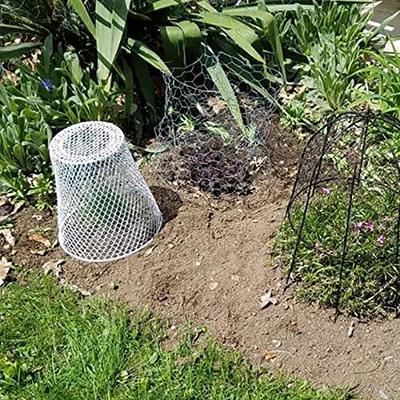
[{"x": 210, "y": 264}]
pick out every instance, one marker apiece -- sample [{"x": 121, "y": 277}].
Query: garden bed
[
  {"x": 223, "y": 187},
  {"x": 210, "y": 264}
]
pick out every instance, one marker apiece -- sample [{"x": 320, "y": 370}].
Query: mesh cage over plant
[
  {"x": 105, "y": 209},
  {"x": 343, "y": 219},
  {"x": 218, "y": 116}
]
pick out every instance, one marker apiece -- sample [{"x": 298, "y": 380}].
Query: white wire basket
[{"x": 105, "y": 209}]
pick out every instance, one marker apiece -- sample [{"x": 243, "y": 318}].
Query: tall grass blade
[
  {"x": 192, "y": 39},
  {"x": 274, "y": 38},
  {"x": 17, "y": 50},
  {"x": 6, "y": 29},
  {"x": 111, "y": 18},
  {"x": 145, "y": 83},
  {"x": 81, "y": 10},
  {"x": 242, "y": 34},
  {"x": 147, "y": 54},
  {"x": 181, "y": 42},
  {"x": 163, "y": 4},
  {"x": 243, "y": 43},
  {"x": 223, "y": 85},
  {"x": 173, "y": 41}
]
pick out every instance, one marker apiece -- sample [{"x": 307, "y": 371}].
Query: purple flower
[
  {"x": 369, "y": 226},
  {"x": 325, "y": 191},
  {"x": 47, "y": 84},
  {"x": 358, "y": 226},
  {"x": 380, "y": 241}
]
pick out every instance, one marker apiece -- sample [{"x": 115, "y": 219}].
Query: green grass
[
  {"x": 54, "y": 345},
  {"x": 369, "y": 280}
]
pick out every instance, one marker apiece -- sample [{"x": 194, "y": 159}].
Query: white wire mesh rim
[
  {"x": 107, "y": 141},
  {"x": 111, "y": 258}
]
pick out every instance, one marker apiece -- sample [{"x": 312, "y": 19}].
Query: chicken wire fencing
[
  {"x": 218, "y": 116},
  {"x": 344, "y": 212},
  {"x": 105, "y": 209}
]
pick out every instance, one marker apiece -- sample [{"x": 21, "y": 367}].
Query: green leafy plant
[
  {"x": 382, "y": 80},
  {"x": 224, "y": 87},
  {"x": 309, "y": 26},
  {"x": 281, "y": 6},
  {"x": 42, "y": 190},
  {"x": 31, "y": 22},
  {"x": 246, "y": 29},
  {"x": 35, "y": 104},
  {"x": 182, "y": 36},
  {"x": 294, "y": 115},
  {"x": 332, "y": 68},
  {"x": 331, "y": 37},
  {"x": 24, "y": 137}
]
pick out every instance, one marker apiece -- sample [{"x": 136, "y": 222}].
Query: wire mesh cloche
[
  {"x": 343, "y": 220},
  {"x": 218, "y": 114},
  {"x": 105, "y": 209}
]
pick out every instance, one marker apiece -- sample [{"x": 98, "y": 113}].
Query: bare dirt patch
[{"x": 210, "y": 264}]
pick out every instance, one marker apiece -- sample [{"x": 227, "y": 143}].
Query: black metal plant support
[{"x": 350, "y": 137}]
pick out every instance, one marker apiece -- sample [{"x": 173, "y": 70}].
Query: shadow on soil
[{"x": 168, "y": 201}]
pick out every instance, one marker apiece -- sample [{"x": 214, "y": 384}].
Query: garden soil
[{"x": 210, "y": 264}]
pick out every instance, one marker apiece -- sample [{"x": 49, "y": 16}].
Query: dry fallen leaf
[
  {"x": 40, "y": 252},
  {"x": 54, "y": 267},
  {"x": 40, "y": 239},
  {"x": 216, "y": 104},
  {"x": 8, "y": 236},
  {"x": 5, "y": 267},
  {"x": 269, "y": 355},
  {"x": 267, "y": 299}
]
